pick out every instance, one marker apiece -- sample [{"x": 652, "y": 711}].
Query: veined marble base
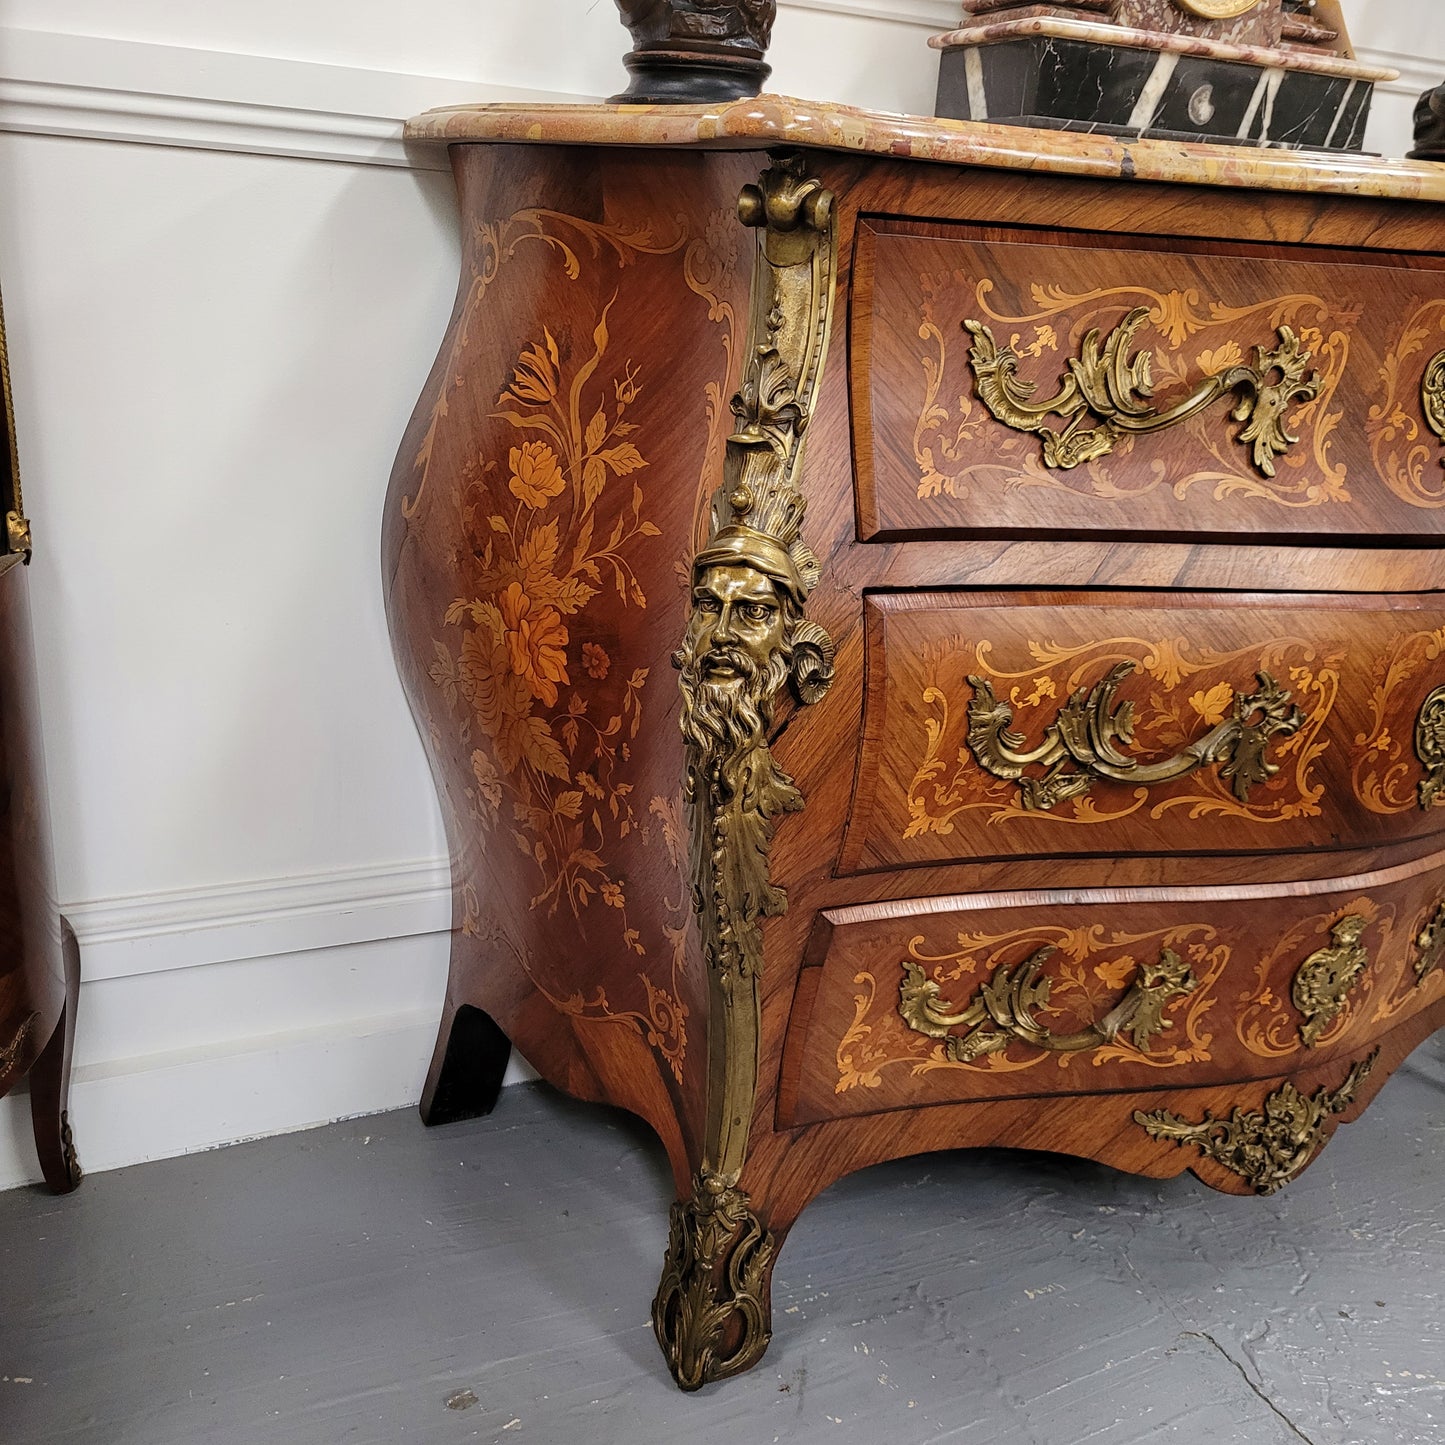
[{"x": 1059, "y": 82}]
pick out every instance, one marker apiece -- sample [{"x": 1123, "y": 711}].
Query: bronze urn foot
[{"x": 691, "y": 51}]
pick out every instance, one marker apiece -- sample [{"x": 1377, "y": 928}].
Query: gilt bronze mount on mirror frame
[{"x": 690, "y": 51}]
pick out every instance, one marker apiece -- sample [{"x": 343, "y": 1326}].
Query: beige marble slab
[
  {"x": 1103, "y": 33},
  {"x": 777, "y": 120}
]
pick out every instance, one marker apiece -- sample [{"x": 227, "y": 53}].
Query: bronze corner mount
[
  {"x": 712, "y": 1312},
  {"x": 748, "y": 640}
]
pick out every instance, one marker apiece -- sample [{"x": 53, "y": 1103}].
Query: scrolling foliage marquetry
[
  {"x": 1007, "y": 1008},
  {"x": 1117, "y": 388},
  {"x": 1272, "y": 1146},
  {"x": 748, "y": 640},
  {"x": 1079, "y": 749}
]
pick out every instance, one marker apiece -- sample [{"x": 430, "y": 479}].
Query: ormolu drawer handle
[
  {"x": 1105, "y": 381},
  {"x": 1006, "y": 1009},
  {"x": 1079, "y": 748}
]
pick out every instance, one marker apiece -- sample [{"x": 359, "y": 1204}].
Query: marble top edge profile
[
  {"x": 775, "y": 120},
  {"x": 1064, "y": 28}
]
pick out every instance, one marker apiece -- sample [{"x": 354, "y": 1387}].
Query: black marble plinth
[{"x": 1062, "y": 84}]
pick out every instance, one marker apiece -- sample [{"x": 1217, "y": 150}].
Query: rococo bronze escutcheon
[
  {"x": 1431, "y": 944},
  {"x": 1324, "y": 980},
  {"x": 1430, "y": 747}
]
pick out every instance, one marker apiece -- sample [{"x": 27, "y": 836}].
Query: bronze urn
[{"x": 689, "y": 51}]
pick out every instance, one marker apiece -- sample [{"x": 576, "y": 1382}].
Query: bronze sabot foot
[{"x": 713, "y": 1311}]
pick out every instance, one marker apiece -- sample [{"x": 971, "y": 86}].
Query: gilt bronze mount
[
  {"x": 1430, "y": 942},
  {"x": 1432, "y": 395},
  {"x": 1106, "y": 382},
  {"x": 1079, "y": 748},
  {"x": 1008, "y": 1005},
  {"x": 748, "y": 642},
  {"x": 1272, "y": 1146},
  {"x": 1326, "y": 977},
  {"x": 1430, "y": 747}
]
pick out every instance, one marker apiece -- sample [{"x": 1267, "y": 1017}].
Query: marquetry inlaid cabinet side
[{"x": 932, "y": 655}]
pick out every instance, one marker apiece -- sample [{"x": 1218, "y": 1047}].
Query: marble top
[
  {"x": 1100, "y": 33},
  {"x": 777, "y": 120}
]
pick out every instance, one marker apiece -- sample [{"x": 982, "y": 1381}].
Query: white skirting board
[
  {"x": 155, "y": 1107},
  {"x": 211, "y": 1016}
]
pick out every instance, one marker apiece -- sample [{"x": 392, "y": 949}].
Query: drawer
[
  {"x": 953, "y": 438},
  {"x": 1035, "y": 724},
  {"x": 953, "y": 1000}
]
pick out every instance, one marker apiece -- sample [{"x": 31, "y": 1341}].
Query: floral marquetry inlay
[
  {"x": 555, "y": 523},
  {"x": 1403, "y": 452},
  {"x": 1399, "y": 761}
]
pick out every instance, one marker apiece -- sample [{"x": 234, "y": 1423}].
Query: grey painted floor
[{"x": 374, "y": 1281}]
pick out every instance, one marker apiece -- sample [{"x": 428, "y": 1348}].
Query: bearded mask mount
[{"x": 748, "y": 642}]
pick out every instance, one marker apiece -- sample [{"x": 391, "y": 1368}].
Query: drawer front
[
  {"x": 1053, "y": 724},
  {"x": 954, "y": 438},
  {"x": 992, "y": 997}
]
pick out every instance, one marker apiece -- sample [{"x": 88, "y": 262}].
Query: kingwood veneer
[{"x": 1063, "y": 734}]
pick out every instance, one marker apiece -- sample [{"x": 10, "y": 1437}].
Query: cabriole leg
[
  {"x": 467, "y": 1068},
  {"x": 50, "y": 1084}
]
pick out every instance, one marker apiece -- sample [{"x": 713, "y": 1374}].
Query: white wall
[{"x": 225, "y": 279}]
